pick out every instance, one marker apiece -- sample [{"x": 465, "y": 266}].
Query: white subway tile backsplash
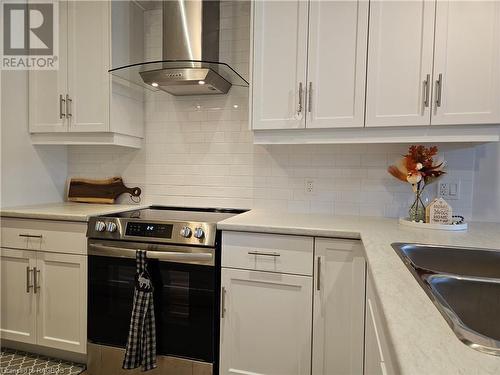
[{"x": 198, "y": 151}]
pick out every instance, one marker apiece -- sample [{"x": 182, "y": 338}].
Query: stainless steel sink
[
  {"x": 464, "y": 284},
  {"x": 451, "y": 260}
]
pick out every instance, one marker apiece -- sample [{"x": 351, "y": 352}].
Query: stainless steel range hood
[{"x": 190, "y": 64}]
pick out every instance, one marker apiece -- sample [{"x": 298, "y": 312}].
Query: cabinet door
[
  {"x": 47, "y": 88},
  {"x": 339, "y": 292},
  {"x": 266, "y": 323},
  {"x": 18, "y": 321},
  {"x": 88, "y": 63},
  {"x": 400, "y": 52},
  {"x": 338, "y": 32},
  {"x": 467, "y": 58},
  {"x": 279, "y": 64},
  {"x": 62, "y": 301}
]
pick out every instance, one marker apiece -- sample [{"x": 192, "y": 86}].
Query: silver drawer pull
[
  {"x": 439, "y": 89},
  {"x": 62, "y": 104},
  {"x": 309, "y": 93},
  {"x": 426, "y": 90},
  {"x": 28, "y": 280},
  {"x": 318, "y": 276},
  {"x": 30, "y": 235},
  {"x": 273, "y": 254},
  {"x": 36, "y": 279},
  {"x": 69, "y": 103},
  {"x": 300, "y": 106},
  {"x": 223, "y": 302}
]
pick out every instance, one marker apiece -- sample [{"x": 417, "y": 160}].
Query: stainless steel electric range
[{"x": 183, "y": 251}]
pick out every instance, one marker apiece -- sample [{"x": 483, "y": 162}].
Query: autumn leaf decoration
[{"x": 418, "y": 167}]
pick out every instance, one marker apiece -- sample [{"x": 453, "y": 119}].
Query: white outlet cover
[{"x": 309, "y": 187}]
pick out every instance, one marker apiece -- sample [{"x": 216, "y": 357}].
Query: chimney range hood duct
[{"x": 190, "y": 42}]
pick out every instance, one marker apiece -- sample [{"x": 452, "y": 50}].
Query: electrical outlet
[
  {"x": 443, "y": 189},
  {"x": 449, "y": 190},
  {"x": 309, "y": 188}
]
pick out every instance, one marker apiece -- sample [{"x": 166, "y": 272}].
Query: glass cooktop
[{"x": 172, "y": 213}]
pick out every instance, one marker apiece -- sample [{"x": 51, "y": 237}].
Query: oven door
[{"x": 184, "y": 280}]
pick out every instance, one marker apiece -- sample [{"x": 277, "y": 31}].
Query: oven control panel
[
  {"x": 189, "y": 233},
  {"x": 139, "y": 229}
]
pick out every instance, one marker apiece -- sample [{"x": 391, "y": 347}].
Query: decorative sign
[{"x": 438, "y": 212}]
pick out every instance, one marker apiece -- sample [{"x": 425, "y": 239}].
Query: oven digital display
[{"x": 149, "y": 230}]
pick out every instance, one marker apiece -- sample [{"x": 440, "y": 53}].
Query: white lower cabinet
[
  {"x": 62, "y": 301},
  {"x": 17, "y": 305},
  {"x": 44, "y": 298},
  {"x": 266, "y": 323},
  {"x": 338, "y": 320},
  {"x": 282, "y": 315}
]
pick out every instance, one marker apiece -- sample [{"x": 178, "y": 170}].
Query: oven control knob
[
  {"x": 186, "y": 232},
  {"x": 111, "y": 227},
  {"x": 100, "y": 226},
  {"x": 198, "y": 233}
]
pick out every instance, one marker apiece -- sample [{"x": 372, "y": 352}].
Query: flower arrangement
[{"x": 419, "y": 169}]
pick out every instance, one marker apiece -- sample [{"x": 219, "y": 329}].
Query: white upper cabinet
[
  {"x": 48, "y": 88},
  {"x": 467, "y": 62},
  {"x": 78, "y": 98},
  {"x": 336, "y": 64},
  {"x": 400, "y": 53},
  {"x": 89, "y": 61},
  {"x": 309, "y": 64},
  {"x": 279, "y": 65}
]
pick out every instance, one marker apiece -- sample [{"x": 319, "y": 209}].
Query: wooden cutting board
[{"x": 99, "y": 191}]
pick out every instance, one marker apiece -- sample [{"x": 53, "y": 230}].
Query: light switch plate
[{"x": 449, "y": 190}]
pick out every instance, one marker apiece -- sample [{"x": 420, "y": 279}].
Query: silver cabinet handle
[
  {"x": 223, "y": 302},
  {"x": 69, "y": 102},
  {"x": 426, "y": 90},
  {"x": 273, "y": 254},
  {"x": 309, "y": 96},
  {"x": 299, "y": 109},
  {"x": 318, "y": 274},
  {"x": 439, "y": 88},
  {"x": 30, "y": 235},
  {"x": 62, "y": 104},
  {"x": 28, "y": 281},
  {"x": 36, "y": 274}
]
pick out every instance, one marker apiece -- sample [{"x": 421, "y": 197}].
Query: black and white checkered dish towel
[{"x": 141, "y": 343}]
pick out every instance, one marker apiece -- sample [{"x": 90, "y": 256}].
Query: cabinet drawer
[
  {"x": 45, "y": 235},
  {"x": 340, "y": 245},
  {"x": 268, "y": 252}
]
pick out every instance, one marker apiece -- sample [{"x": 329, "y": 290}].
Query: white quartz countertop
[
  {"x": 70, "y": 211},
  {"x": 423, "y": 341}
]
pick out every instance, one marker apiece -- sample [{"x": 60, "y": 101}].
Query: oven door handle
[
  {"x": 165, "y": 256},
  {"x": 172, "y": 255}
]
